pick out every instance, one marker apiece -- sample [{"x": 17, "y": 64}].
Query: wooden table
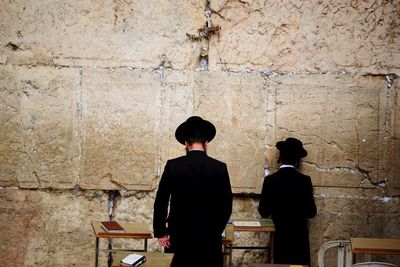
[
  {"x": 266, "y": 225},
  {"x": 227, "y": 244},
  {"x": 132, "y": 230},
  {"x": 153, "y": 259},
  {"x": 375, "y": 246}
]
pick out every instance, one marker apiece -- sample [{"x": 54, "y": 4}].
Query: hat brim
[
  {"x": 299, "y": 152},
  {"x": 195, "y": 128}
]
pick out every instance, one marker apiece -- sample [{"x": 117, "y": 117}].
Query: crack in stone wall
[{"x": 203, "y": 36}]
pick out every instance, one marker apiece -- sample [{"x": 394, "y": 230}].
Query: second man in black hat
[
  {"x": 197, "y": 190},
  {"x": 287, "y": 196}
]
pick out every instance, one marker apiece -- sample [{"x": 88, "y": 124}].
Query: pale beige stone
[
  {"x": 338, "y": 118},
  {"x": 177, "y": 107},
  {"x": 49, "y": 228},
  {"x": 324, "y": 36},
  {"x": 110, "y": 125},
  {"x": 235, "y": 104},
  {"x": 345, "y": 141},
  {"x": 39, "y": 142},
  {"x": 391, "y": 161},
  {"x": 142, "y": 34},
  {"x": 120, "y": 134},
  {"x": 10, "y": 130},
  {"x": 134, "y": 206},
  {"x": 52, "y": 228}
]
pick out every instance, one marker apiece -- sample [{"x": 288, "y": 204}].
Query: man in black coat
[
  {"x": 287, "y": 195},
  {"x": 197, "y": 189}
]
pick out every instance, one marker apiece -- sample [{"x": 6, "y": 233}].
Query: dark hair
[
  {"x": 192, "y": 140},
  {"x": 288, "y": 158}
]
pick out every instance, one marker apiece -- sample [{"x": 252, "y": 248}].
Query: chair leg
[
  {"x": 343, "y": 247},
  {"x": 340, "y": 257}
]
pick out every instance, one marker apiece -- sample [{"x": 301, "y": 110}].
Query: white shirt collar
[{"x": 286, "y": 166}]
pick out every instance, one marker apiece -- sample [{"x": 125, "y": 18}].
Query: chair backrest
[
  {"x": 373, "y": 264},
  {"x": 344, "y": 256}
]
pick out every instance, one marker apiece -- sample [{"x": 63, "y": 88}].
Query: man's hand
[{"x": 164, "y": 241}]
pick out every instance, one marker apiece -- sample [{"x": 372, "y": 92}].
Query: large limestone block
[
  {"x": 39, "y": 145},
  {"x": 120, "y": 129},
  {"x": 177, "y": 105},
  {"x": 39, "y": 228},
  {"x": 313, "y": 36},
  {"x": 340, "y": 119},
  {"x": 142, "y": 34},
  {"x": 234, "y": 103}
]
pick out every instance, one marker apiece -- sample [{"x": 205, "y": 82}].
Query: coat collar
[
  {"x": 286, "y": 166},
  {"x": 196, "y": 152}
]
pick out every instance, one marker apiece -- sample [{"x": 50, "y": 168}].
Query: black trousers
[{"x": 200, "y": 254}]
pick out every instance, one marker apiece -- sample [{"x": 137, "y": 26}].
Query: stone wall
[{"x": 92, "y": 91}]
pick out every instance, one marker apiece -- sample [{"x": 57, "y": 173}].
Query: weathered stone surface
[
  {"x": 238, "y": 101},
  {"x": 10, "y": 130},
  {"x": 347, "y": 143},
  {"x": 39, "y": 148},
  {"x": 135, "y": 206},
  {"x": 338, "y": 118},
  {"x": 120, "y": 131},
  {"x": 91, "y": 93},
  {"x": 391, "y": 160},
  {"x": 52, "y": 228},
  {"x": 324, "y": 36},
  {"x": 177, "y": 102},
  {"x": 234, "y": 103},
  {"x": 142, "y": 34},
  {"x": 49, "y": 228}
]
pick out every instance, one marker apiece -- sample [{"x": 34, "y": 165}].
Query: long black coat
[
  {"x": 198, "y": 191},
  {"x": 287, "y": 195}
]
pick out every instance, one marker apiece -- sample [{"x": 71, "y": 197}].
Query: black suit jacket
[
  {"x": 197, "y": 189},
  {"x": 287, "y": 196}
]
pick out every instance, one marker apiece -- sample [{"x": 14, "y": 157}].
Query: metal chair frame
[{"x": 345, "y": 256}]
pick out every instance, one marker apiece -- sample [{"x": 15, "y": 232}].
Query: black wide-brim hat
[
  {"x": 195, "y": 127},
  {"x": 292, "y": 146}
]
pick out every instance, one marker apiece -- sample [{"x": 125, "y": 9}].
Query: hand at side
[{"x": 164, "y": 241}]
